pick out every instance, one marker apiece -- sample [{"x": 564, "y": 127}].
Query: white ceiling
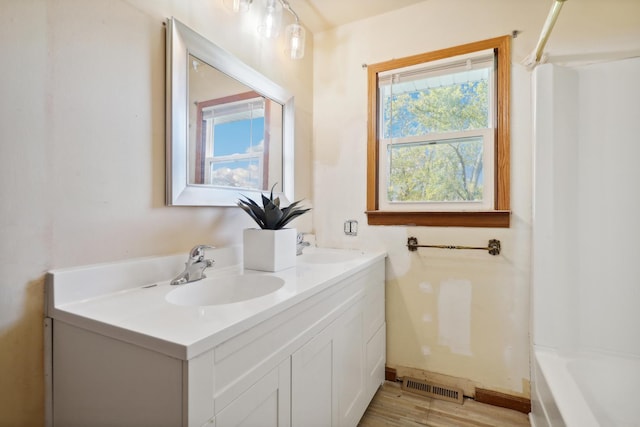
[{"x": 322, "y": 15}]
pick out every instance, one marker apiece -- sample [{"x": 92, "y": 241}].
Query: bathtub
[{"x": 586, "y": 390}]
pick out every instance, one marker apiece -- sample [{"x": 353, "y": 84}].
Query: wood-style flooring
[{"x": 391, "y": 406}]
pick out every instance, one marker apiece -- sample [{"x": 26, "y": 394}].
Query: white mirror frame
[{"x": 182, "y": 41}]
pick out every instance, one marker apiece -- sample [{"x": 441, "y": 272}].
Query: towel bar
[{"x": 493, "y": 247}]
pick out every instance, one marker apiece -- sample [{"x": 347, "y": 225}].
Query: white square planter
[{"x": 269, "y": 250}]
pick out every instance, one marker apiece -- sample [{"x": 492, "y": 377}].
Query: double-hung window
[{"x": 438, "y": 149}]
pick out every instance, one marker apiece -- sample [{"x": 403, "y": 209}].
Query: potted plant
[{"x": 272, "y": 247}]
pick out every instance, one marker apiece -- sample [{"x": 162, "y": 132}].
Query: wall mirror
[{"x": 229, "y": 128}]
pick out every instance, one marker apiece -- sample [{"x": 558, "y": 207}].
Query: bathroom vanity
[{"x": 126, "y": 348}]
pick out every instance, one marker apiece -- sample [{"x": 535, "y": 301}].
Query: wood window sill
[{"x": 487, "y": 219}]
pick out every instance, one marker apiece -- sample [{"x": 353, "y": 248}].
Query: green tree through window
[{"x": 437, "y": 170}]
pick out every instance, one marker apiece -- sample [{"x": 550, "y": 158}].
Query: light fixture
[
  {"x": 270, "y": 23},
  {"x": 295, "y": 35}
]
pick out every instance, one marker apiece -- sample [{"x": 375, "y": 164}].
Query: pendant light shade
[
  {"x": 295, "y": 36},
  {"x": 271, "y": 19}
]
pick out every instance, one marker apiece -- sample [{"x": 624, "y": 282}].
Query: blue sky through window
[{"x": 237, "y": 137}]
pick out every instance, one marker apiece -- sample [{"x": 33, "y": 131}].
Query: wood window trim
[
  {"x": 201, "y": 146},
  {"x": 500, "y": 216}
]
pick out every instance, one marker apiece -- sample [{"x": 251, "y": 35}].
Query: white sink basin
[
  {"x": 328, "y": 257},
  {"x": 224, "y": 290}
]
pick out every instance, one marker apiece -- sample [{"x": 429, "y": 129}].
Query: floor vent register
[{"x": 430, "y": 389}]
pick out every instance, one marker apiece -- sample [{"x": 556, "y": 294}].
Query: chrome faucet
[
  {"x": 300, "y": 243},
  {"x": 195, "y": 266}
]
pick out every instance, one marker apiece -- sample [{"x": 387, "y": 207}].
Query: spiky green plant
[{"x": 269, "y": 216}]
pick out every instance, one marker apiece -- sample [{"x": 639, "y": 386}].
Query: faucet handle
[{"x": 197, "y": 253}]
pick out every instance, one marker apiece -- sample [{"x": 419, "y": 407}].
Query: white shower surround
[{"x": 586, "y": 278}]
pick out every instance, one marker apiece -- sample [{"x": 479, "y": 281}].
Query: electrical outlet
[{"x": 351, "y": 227}]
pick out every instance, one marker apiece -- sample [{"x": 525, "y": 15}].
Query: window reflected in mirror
[{"x": 231, "y": 129}]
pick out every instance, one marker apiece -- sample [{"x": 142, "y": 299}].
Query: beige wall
[
  {"x": 459, "y": 313},
  {"x": 82, "y": 154}
]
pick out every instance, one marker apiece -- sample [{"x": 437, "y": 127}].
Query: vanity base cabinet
[{"x": 316, "y": 363}]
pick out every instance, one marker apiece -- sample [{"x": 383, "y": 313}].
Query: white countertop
[{"x": 126, "y": 300}]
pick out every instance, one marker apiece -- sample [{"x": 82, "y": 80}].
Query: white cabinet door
[
  {"x": 349, "y": 366},
  {"x": 328, "y": 375},
  {"x": 376, "y": 358},
  {"x": 375, "y": 333},
  {"x": 265, "y": 404},
  {"x": 312, "y": 382}
]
